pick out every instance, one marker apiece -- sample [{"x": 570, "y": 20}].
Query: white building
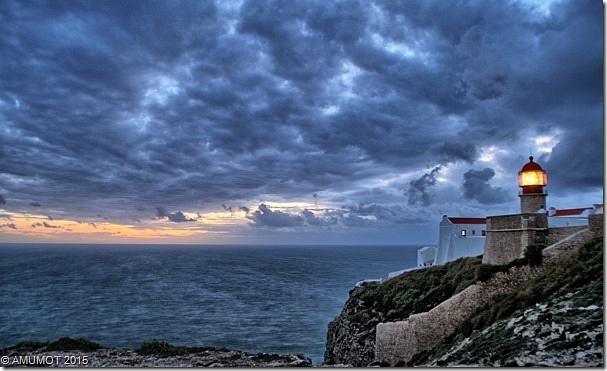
[
  {"x": 458, "y": 238},
  {"x": 426, "y": 256},
  {"x": 571, "y": 217}
]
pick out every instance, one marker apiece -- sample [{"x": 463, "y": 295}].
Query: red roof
[
  {"x": 467, "y": 220},
  {"x": 531, "y": 166},
  {"x": 571, "y": 212}
]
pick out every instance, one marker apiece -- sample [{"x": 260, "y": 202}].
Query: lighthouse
[
  {"x": 532, "y": 179},
  {"x": 509, "y": 235}
]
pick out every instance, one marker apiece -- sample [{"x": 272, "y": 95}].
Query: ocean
[{"x": 273, "y": 299}]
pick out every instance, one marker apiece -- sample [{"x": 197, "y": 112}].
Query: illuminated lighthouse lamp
[{"x": 532, "y": 178}]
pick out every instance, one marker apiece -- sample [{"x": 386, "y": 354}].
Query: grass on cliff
[
  {"x": 420, "y": 290},
  {"x": 581, "y": 272},
  {"x": 578, "y": 269}
]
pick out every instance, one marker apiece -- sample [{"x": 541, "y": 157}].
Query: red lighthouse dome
[{"x": 532, "y": 178}]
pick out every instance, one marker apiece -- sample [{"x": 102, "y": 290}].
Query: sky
[{"x": 291, "y": 122}]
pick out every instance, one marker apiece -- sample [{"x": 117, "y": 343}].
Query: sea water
[{"x": 273, "y": 299}]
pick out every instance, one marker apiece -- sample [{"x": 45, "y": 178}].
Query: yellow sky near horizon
[{"x": 212, "y": 227}]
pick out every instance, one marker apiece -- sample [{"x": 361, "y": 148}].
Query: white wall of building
[{"x": 459, "y": 240}]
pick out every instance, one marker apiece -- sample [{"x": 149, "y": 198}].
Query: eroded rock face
[
  {"x": 208, "y": 357},
  {"x": 351, "y": 335}
]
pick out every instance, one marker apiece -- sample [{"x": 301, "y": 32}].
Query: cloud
[
  {"x": 420, "y": 189},
  {"x": 45, "y": 225},
  {"x": 232, "y": 103},
  {"x": 570, "y": 169},
  {"x": 476, "y": 187},
  {"x": 450, "y": 152},
  {"x": 176, "y": 217},
  {"x": 265, "y": 217}
]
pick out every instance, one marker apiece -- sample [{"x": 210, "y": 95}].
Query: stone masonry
[{"x": 509, "y": 235}]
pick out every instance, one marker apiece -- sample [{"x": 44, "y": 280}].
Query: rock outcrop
[
  {"x": 112, "y": 357},
  {"x": 351, "y": 336}
]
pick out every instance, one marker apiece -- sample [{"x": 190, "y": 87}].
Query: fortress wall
[
  {"x": 559, "y": 233},
  {"x": 596, "y": 223},
  {"x": 509, "y": 235},
  {"x": 570, "y": 242}
]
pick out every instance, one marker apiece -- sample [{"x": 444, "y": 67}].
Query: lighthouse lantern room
[{"x": 532, "y": 179}]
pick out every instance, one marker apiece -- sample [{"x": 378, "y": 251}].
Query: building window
[
  {"x": 473, "y": 232},
  {"x": 463, "y": 233},
  {"x": 484, "y": 232}
]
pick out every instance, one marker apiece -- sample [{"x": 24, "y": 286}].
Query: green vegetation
[
  {"x": 533, "y": 255},
  {"x": 73, "y": 344},
  {"x": 162, "y": 349},
  {"x": 421, "y": 290}
]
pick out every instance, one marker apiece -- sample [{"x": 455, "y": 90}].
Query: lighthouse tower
[
  {"x": 509, "y": 235},
  {"x": 532, "y": 179}
]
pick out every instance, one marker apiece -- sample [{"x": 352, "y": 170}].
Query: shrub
[
  {"x": 161, "y": 349},
  {"x": 73, "y": 344},
  {"x": 533, "y": 254}
]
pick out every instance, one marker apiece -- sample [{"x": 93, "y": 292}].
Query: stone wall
[
  {"x": 401, "y": 340},
  {"x": 509, "y": 235},
  {"x": 559, "y": 233},
  {"x": 532, "y": 202},
  {"x": 570, "y": 242},
  {"x": 596, "y": 223}
]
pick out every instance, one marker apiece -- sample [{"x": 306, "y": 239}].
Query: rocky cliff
[{"x": 555, "y": 319}]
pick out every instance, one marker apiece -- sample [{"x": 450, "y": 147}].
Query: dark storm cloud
[
  {"x": 476, "y": 187},
  {"x": 450, "y": 152},
  {"x": 190, "y": 102},
  {"x": 420, "y": 190},
  {"x": 265, "y": 217},
  {"x": 358, "y": 216},
  {"x": 176, "y": 217},
  {"x": 577, "y": 163}
]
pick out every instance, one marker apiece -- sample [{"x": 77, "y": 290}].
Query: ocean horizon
[{"x": 253, "y": 298}]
